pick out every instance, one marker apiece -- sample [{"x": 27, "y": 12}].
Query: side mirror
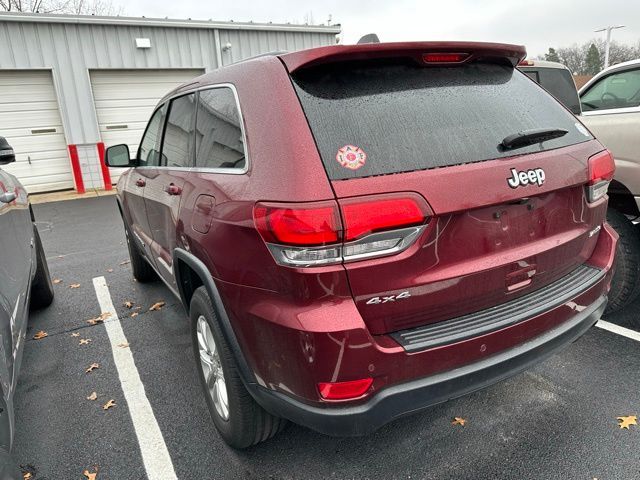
[
  {"x": 118, "y": 156},
  {"x": 7, "y": 154}
]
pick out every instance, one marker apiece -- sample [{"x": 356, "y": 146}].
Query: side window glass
[
  {"x": 177, "y": 143},
  {"x": 149, "y": 151},
  {"x": 219, "y": 141},
  {"x": 618, "y": 90}
]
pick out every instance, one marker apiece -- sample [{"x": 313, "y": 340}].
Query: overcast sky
[{"x": 537, "y": 24}]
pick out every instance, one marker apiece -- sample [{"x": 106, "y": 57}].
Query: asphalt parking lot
[{"x": 555, "y": 421}]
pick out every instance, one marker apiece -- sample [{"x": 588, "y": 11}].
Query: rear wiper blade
[{"x": 530, "y": 137}]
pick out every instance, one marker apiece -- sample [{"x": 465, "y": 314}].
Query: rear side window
[
  {"x": 177, "y": 144},
  {"x": 559, "y": 83},
  {"x": 219, "y": 140},
  {"x": 400, "y": 118}
]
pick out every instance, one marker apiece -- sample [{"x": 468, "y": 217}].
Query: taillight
[
  {"x": 298, "y": 224},
  {"x": 344, "y": 390},
  {"x": 323, "y": 233},
  {"x": 362, "y": 217},
  {"x": 601, "y": 169},
  {"x": 444, "y": 57}
]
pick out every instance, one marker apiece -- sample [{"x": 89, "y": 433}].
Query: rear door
[
  {"x": 502, "y": 222},
  {"x": 135, "y": 182},
  {"x": 163, "y": 192}
]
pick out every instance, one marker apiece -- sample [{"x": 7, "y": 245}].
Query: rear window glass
[
  {"x": 559, "y": 83},
  {"x": 382, "y": 119}
]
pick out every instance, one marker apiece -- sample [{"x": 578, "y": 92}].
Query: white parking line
[
  {"x": 155, "y": 455},
  {"x": 625, "y": 332}
]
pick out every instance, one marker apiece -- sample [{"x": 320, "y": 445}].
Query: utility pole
[{"x": 608, "y": 42}]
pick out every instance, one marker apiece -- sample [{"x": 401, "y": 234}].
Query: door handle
[
  {"x": 173, "y": 189},
  {"x": 140, "y": 182},
  {"x": 8, "y": 197}
]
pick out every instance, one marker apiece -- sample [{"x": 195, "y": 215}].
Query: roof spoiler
[{"x": 468, "y": 51}]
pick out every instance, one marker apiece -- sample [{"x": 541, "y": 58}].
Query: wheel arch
[
  {"x": 191, "y": 273},
  {"x": 622, "y": 200}
]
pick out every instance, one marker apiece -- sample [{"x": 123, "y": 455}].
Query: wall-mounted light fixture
[
  {"x": 143, "y": 43},
  {"x": 226, "y": 47}
]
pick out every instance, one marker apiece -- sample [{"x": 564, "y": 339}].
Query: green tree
[
  {"x": 593, "y": 62},
  {"x": 552, "y": 55}
]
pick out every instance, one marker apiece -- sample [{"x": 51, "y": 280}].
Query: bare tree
[
  {"x": 78, "y": 7},
  {"x": 573, "y": 57}
]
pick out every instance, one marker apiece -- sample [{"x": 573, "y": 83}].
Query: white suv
[{"x": 611, "y": 110}]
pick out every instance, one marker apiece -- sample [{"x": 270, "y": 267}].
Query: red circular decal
[{"x": 351, "y": 157}]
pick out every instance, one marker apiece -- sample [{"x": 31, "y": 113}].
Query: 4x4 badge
[{"x": 535, "y": 176}]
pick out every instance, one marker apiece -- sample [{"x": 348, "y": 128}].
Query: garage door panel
[
  {"x": 28, "y": 104},
  {"x": 40, "y": 144},
  {"x": 25, "y": 77},
  {"x": 29, "y": 121},
  {"x": 131, "y": 126},
  {"x": 135, "y": 90},
  {"x": 35, "y": 95},
  {"x": 126, "y": 97},
  {"x": 118, "y": 103}
]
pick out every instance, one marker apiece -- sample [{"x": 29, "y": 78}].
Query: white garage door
[
  {"x": 125, "y": 100},
  {"x": 30, "y": 120}
]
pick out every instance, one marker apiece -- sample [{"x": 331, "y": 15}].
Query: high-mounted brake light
[
  {"x": 601, "y": 170},
  {"x": 312, "y": 234},
  {"x": 344, "y": 390},
  {"x": 526, "y": 63},
  {"x": 444, "y": 57}
]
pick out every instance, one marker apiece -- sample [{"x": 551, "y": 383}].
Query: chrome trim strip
[
  {"x": 406, "y": 237},
  {"x": 225, "y": 171}
]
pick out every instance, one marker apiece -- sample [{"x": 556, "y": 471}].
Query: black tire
[
  {"x": 142, "y": 271},
  {"x": 248, "y": 422},
  {"x": 41, "y": 286},
  {"x": 625, "y": 286}
]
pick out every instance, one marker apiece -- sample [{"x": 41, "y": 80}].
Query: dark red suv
[{"x": 359, "y": 232}]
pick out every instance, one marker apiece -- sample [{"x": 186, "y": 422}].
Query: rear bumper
[{"x": 405, "y": 398}]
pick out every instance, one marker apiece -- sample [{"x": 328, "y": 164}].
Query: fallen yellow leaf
[
  {"x": 93, "y": 396},
  {"x": 84, "y": 341},
  {"x": 41, "y": 334},
  {"x": 109, "y": 270},
  {"x": 89, "y": 475},
  {"x": 126, "y": 262},
  {"x": 92, "y": 367},
  {"x": 124, "y": 345},
  {"x": 128, "y": 304},
  {"x": 458, "y": 421},
  {"x": 134, "y": 314},
  {"x": 625, "y": 422},
  {"x": 75, "y": 334},
  {"x": 74, "y": 285},
  {"x": 56, "y": 281},
  {"x": 109, "y": 404},
  {"x": 99, "y": 319},
  {"x": 27, "y": 476},
  {"x": 156, "y": 306}
]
